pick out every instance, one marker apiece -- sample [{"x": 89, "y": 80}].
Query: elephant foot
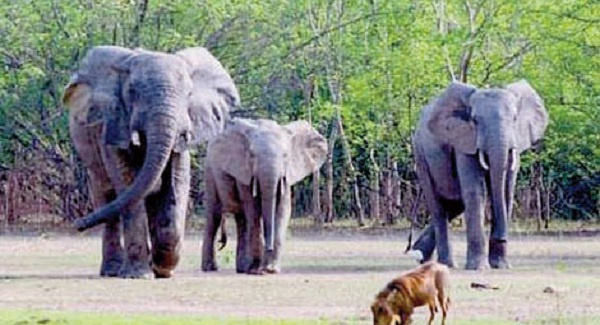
[
  {"x": 497, "y": 254},
  {"x": 255, "y": 271},
  {"x": 254, "y": 267},
  {"x": 448, "y": 261},
  {"x": 475, "y": 258},
  {"x": 243, "y": 264},
  {"x": 209, "y": 266},
  {"x": 241, "y": 268},
  {"x": 162, "y": 273},
  {"x": 475, "y": 264},
  {"x": 272, "y": 269},
  {"x": 111, "y": 267},
  {"x": 136, "y": 271}
]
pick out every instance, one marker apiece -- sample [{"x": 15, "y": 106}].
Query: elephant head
[
  {"x": 269, "y": 158},
  {"x": 154, "y": 102},
  {"x": 494, "y": 124}
]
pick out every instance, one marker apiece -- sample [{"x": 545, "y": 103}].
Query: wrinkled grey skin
[
  {"x": 133, "y": 116},
  {"x": 250, "y": 169},
  {"x": 467, "y": 144}
]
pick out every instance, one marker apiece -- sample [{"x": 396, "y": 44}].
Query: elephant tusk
[
  {"x": 514, "y": 164},
  {"x": 135, "y": 138},
  {"x": 254, "y": 188},
  {"x": 482, "y": 162}
]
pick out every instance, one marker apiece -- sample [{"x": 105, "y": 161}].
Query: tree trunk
[
  {"x": 396, "y": 202},
  {"x": 374, "y": 190},
  {"x": 11, "y": 197},
  {"x": 388, "y": 203},
  {"x": 357, "y": 205},
  {"x": 525, "y": 211},
  {"x": 547, "y": 205},
  {"x": 319, "y": 217},
  {"x": 328, "y": 202},
  {"x": 140, "y": 15},
  {"x": 538, "y": 208},
  {"x": 316, "y": 200}
]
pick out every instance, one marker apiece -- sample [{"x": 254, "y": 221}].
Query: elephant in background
[
  {"x": 250, "y": 169},
  {"x": 133, "y": 116},
  {"x": 467, "y": 147}
]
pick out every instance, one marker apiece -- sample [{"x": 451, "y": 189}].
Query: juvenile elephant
[
  {"x": 250, "y": 169},
  {"x": 133, "y": 116},
  {"x": 467, "y": 143}
]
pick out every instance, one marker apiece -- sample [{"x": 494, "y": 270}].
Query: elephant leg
[
  {"x": 241, "y": 254},
  {"x": 166, "y": 215},
  {"x": 112, "y": 250},
  {"x": 134, "y": 219},
  {"x": 86, "y": 142},
  {"x": 213, "y": 221},
  {"x": 284, "y": 211},
  {"x": 254, "y": 242},
  {"x": 439, "y": 221},
  {"x": 254, "y": 237},
  {"x": 429, "y": 169},
  {"x": 135, "y": 231},
  {"x": 473, "y": 192}
]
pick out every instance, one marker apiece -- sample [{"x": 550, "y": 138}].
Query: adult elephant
[
  {"x": 133, "y": 116},
  {"x": 467, "y": 143},
  {"x": 250, "y": 169}
]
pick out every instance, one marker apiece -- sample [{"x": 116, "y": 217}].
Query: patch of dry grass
[{"x": 331, "y": 278}]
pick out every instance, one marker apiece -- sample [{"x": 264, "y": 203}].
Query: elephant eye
[{"x": 132, "y": 93}]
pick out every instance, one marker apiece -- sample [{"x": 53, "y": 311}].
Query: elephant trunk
[
  {"x": 269, "y": 194},
  {"x": 160, "y": 139},
  {"x": 499, "y": 165}
]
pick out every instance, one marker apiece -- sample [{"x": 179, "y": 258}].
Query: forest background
[{"x": 359, "y": 71}]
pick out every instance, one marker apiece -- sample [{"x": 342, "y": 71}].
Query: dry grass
[{"x": 332, "y": 278}]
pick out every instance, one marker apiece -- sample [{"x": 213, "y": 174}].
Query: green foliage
[{"x": 389, "y": 58}]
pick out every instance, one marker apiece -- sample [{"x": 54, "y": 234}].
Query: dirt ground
[{"x": 331, "y": 277}]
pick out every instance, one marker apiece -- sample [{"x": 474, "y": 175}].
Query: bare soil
[{"x": 332, "y": 277}]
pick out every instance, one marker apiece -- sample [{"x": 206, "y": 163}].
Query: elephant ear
[
  {"x": 230, "y": 150},
  {"x": 78, "y": 98},
  {"x": 213, "y": 95},
  {"x": 532, "y": 118},
  {"x": 308, "y": 152},
  {"x": 93, "y": 93},
  {"x": 450, "y": 120}
]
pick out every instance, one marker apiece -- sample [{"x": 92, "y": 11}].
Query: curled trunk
[{"x": 160, "y": 136}]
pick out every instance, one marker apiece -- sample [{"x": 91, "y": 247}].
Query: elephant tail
[
  {"x": 413, "y": 221},
  {"x": 223, "y": 239}
]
